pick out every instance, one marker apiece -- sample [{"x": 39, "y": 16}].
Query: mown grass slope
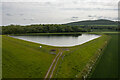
[
  {"x": 75, "y": 60},
  {"x": 107, "y": 66},
  {"x": 0, "y": 56},
  {"x": 22, "y": 59}
]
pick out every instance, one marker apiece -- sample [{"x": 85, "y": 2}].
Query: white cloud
[{"x": 56, "y": 11}]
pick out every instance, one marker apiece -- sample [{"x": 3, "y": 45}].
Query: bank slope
[
  {"x": 74, "y": 63},
  {"x": 107, "y": 66},
  {"x": 22, "y": 59}
]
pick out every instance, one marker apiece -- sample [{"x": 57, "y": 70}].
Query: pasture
[
  {"x": 107, "y": 65},
  {"x": 22, "y": 59},
  {"x": 73, "y": 63}
]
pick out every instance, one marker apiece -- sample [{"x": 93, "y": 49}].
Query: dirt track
[{"x": 52, "y": 66}]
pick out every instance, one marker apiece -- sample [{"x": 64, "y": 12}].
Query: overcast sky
[{"x": 56, "y": 11}]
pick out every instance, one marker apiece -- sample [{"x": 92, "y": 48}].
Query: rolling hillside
[{"x": 94, "y": 22}]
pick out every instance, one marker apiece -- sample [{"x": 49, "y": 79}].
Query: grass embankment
[
  {"x": 74, "y": 62},
  {"x": 107, "y": 65},
  {"x": 0, "y": 56},
  {"x": 22, "y": 59}
]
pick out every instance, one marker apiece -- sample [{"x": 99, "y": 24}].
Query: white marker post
[{"x": 40, "y": 46}]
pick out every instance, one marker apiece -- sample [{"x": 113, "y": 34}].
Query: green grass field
[
  {"x": 74, "y": 62},
  {"x": 0, "y": 56},
  {"x": 22, "y": 59},
  {"x": 107, "y": 65}
]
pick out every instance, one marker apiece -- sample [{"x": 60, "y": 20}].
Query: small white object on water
[{"x": 40, "y": 46}]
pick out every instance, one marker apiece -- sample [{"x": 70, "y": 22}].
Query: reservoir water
[{"x": 59, "y": 40}]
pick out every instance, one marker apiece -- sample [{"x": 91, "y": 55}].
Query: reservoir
[{"x": 60, "y": 40}]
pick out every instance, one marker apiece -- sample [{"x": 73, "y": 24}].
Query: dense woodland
[
  {"x": 54, "y": 28},
  {"x": 49, "y": 28},
  {"x": 81, "y": 26}
]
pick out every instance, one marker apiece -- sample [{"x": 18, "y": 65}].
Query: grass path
[
  {"x": 48, "y": 72},
  {"x": 55, "y": 65},
  {"x": 51, "y": 69}
]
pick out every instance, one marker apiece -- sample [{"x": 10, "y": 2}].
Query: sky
[{"x": 24, "y": 12}]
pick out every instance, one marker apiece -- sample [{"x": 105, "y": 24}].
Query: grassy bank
[
  {"x": 73, "y": 62},
  {"x": 107, "y": 65},
  {"x": 22, "y": 59},
  {"x": 0, "y": 56}
]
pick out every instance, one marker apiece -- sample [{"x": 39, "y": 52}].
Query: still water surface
[{"x": 60, "y": 40}]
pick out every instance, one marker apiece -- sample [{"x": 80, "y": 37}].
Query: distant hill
[{"x": 94, "y": 22}]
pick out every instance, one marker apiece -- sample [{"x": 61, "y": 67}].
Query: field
[
  {"x": 107, "y": 65},
  {"x": 73, "y": 63},
  {"x": 0, "y": 56},
  {"x": 22, "y": 59}
]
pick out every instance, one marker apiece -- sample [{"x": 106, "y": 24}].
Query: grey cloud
[
  {"x": 48, "y": 3},
  {"x": 99, "y": 17},
  {"x": 75, "y": 2},
  {"x": 8, "y": 14},
  {"x": 43, "y": 12},
  {"x": 74, "y": 18},
  {"x": 91, "y": 15},
  {"x": 31, "y": 19},
  {"x": 51, "y": 4},
  {"x": 88, "y": 9},
  {"x": 109, "y": 4},
  {"x": 102, "y": 17},
  {"x": 21, "y": 14},
  {"x": 112, "y": 18},
  {"x": 115, "y": 18},
  {"x": 95, "y": 16},
  {"x": 24, "y": 19}
]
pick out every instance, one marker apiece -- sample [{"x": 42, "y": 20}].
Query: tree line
[
  {"x": 55, "y": 28},
  {"x": 101, "y": 27},
  {"x": 41, "y": 28}
]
